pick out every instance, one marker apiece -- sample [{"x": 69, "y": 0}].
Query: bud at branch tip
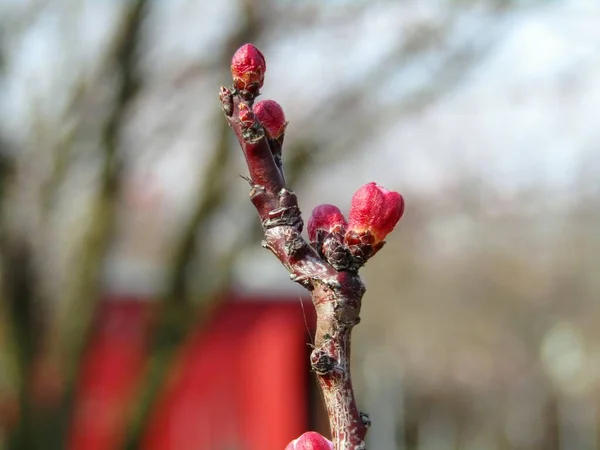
[
  {"x": 374, "y": 210},
  {"x": 248, "y": 67}
]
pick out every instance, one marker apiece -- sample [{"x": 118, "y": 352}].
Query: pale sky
[{"x": 527, "y": 113}]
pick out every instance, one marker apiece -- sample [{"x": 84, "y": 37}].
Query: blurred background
[{"x": 137, "y": 309}]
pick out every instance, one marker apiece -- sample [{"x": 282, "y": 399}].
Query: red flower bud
[
  {"x": 248, "y": 68},
  {"x": 375, "y": 210},
  {"x": 271, "y": 116},
  {"x": 310, "y": 440},
  {"x": 328, "y": 218}
]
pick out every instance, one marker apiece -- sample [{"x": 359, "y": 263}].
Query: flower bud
[
  {"x": 272, "y": 118},
  {"x": 375, "y": 211},
  {"x": 248, "y": 68},
  {"x": 310, "y": 440},
  {"x": 327, "y": 218}
]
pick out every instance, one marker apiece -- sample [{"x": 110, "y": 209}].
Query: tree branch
[{"x": 336, "y": 294}]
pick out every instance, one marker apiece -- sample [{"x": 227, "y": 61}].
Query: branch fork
[{"x": 328, "y": 266}]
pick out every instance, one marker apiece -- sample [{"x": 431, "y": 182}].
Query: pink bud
[
  {"x": 248, "y": 68},
  {"x": 271, "y": 116},
  {"x": 326, "y": 217},
  {"x": 310, "y": 440},
  {"x": 375, "y": 210}
]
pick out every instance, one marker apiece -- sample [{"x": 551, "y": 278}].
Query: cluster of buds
[
  {"x": 374, "y": 212},
  {"x": 265, "y": 118},
  {"x": 345, "y": 244},
  {"x": 310, "y": 441}
]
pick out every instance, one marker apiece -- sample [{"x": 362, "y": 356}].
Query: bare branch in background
[
  {"x": 179, "y": 311},
  {"x": 83, "y": 286}
]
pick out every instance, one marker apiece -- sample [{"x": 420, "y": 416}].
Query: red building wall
[{"x": 241, "y": 382}]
